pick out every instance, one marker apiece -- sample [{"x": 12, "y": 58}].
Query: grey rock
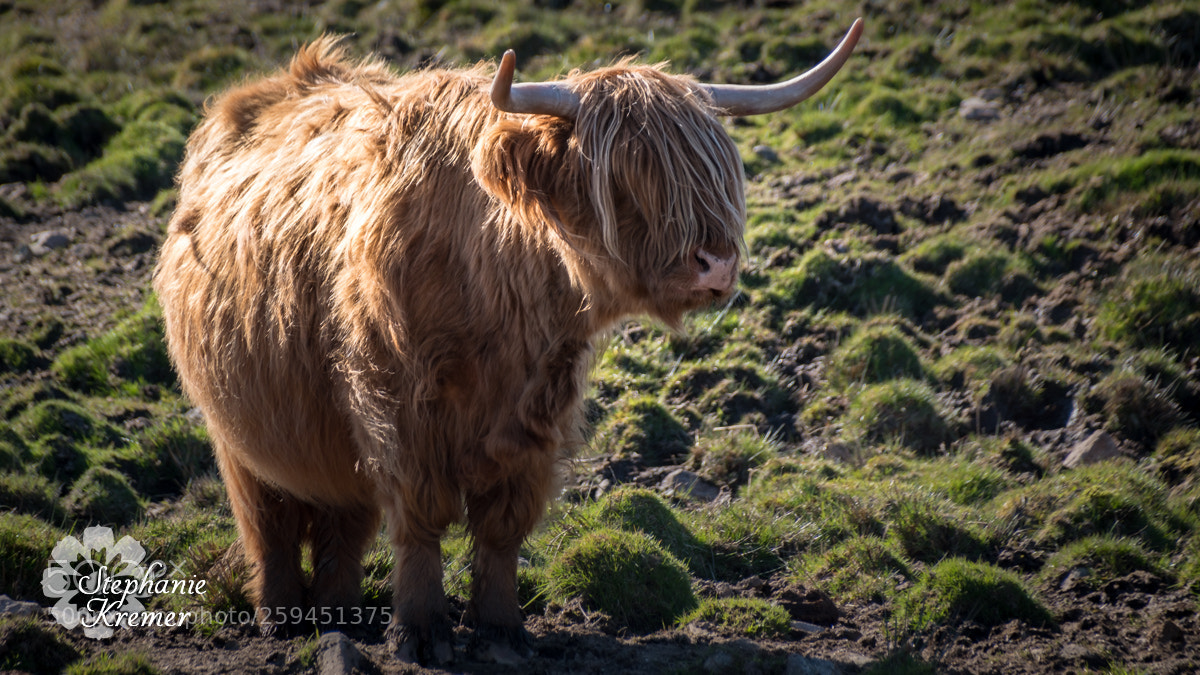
[
  {"x": 337, "y": 655},
  {"x": 978, "y": 109},
  {"x": 766, "y": 153},
  {"x": 45, "y": 241},
  {"x": 688, "y": 483},
  {"x": 11, "y": 607},
  {"x": 1098, "y": 447}
]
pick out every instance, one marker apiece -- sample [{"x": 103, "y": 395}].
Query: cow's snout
[{"x": 714, "y": 273}]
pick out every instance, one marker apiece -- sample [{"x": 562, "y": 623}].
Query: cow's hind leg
[
  {"x": 340, "y": 537},
  {"x": 272, "y": 525},
  {"x": 499, "y": 519},
  {"x": 417, "y": 518}
]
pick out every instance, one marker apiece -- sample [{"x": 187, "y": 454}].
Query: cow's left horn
[
  {"x": 740, "y": 100},
  {"x": 533, "y": 98}
]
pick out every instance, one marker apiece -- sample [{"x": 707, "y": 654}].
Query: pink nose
[{"x": 715, "y": 274}]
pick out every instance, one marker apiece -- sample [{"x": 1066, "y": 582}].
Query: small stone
[
  {"x": 1098, "y": 447},
  {"x": 806, "y": 627},
  {"x": 45, "y": 241},
  {"x": 978, "y": 109},
  {"x": 684, "y": 482},
  {"x": 11, "y": 607},
  {"x": 1076, "y": 579},
  {"x": 766, "y": 153},
  {"x": 337, "y": 654}
]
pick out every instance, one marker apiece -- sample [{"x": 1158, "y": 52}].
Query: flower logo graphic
[{"x": 95, "y": 581}]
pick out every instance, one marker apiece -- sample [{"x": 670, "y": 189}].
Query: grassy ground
[{"x": 937, "y": 308}]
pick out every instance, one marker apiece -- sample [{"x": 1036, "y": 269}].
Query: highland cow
[{"x": 383, "y": 292}]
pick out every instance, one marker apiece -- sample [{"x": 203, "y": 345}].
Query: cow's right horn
[
  {"x": 740, "y": 100},
  {"x": 532, "y": 98}
]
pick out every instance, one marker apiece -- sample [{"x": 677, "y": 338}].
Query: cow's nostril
[{"x": 704, "y": 266}]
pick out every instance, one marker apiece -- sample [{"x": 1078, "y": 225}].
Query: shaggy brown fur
[{"x": 383, "y": 293}]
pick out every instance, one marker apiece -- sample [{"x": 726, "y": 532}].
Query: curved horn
[
  {"x": 534, "y": 98},
  {"x": 741, "y": 100}
]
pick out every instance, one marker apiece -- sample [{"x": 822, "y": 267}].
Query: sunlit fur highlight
[{"x": 383, "y": 293}]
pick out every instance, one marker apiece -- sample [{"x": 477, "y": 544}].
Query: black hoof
[
  {"x": 422, "y": 645},
  {"x": 506, "y": 645}
]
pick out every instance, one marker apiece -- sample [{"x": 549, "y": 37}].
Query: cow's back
[{"x": 297, "y": 195}]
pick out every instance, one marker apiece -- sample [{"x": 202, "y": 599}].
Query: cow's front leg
[
  {"x": 420, "y": 630},
  {"x": 499, "y": 519}
]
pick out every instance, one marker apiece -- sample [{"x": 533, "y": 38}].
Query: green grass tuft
[
  {"x": 626, "y": 575},
  {"x": 16, "y": 356},
  {"x": 934, "y": 254},
  {"x": 25, "y": 545},
  {"x": 27, "y": 644},
  {"x": 137, "y": 163},
  {"x": 210, "y": 67},
  {"x": 1135, "y": 406},
  {"x": 983, "y": 273},
  {"x": 1178, "y": 455},
  {"x": 877, "y": 352},
  {"x": 751, "y": 617},
  {"x": 103, "y": 496},
  {"x": 644, "y": 426},
  {"x": 60, "y": 458},
  {"x": 1136, "y": 175},
  {"x": 928, "y": 529},
  {"x": 727, "y": 457},
  {"x": 956, "y": 590},
  {"x": 642, "y": 510},
  {"x": 860, "y": 283},
  {"x": 1155, "y": 302},
  {"x": 126, "y": 358},
  {"x": 902, "y": 411},
  {"x": 861, "y": 568},
  {"x": 14, "y": 451},
  {"x": 170, "y": 455},
  {"x": 63, "y": 418},
  {"x": 1112, "y": 498},
  {"x": 740, "y": 540},
  {"x": 739, "y": 392},
  {"x": 30, "y": 493},
  {"x": 1100, "y": 559},
  {"x": 970, "y": 366}
]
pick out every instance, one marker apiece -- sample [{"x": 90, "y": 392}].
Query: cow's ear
[{"x": 526, "y": 166}]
